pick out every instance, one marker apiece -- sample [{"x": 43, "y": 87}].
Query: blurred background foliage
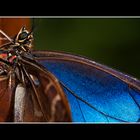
[{"x": 112, "y": 42}]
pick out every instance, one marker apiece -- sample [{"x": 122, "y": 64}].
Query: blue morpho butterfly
[{"x": 56, "y": 86}]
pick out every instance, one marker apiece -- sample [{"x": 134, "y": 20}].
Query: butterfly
[{"x": 32, "y": 83}]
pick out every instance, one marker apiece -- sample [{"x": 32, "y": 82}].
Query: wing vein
[
  {"x": 106, "y": 115},
  {"x": 133, "y": 97},
  {"x": 81, "y": 110}
]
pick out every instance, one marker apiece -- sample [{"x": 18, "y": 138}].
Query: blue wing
[{"x": 95, "y": 92}]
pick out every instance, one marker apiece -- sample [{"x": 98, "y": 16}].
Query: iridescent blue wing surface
[{"x": 96, "y": 93}]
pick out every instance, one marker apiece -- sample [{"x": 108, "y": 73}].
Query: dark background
[{"x": 112, "y": 42}]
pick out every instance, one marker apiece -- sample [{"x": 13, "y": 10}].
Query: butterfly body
[{"x": 37, "y": 94}]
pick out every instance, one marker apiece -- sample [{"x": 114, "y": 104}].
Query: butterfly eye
[{"x": 23, "y": 36}]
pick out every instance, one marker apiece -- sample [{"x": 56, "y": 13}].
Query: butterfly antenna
[
  {"x": 4, "y": 34},
  {"x": 34, "y": 25}
]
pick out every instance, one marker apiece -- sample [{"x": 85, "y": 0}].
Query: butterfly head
[{"x": 24, "y": 39}]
